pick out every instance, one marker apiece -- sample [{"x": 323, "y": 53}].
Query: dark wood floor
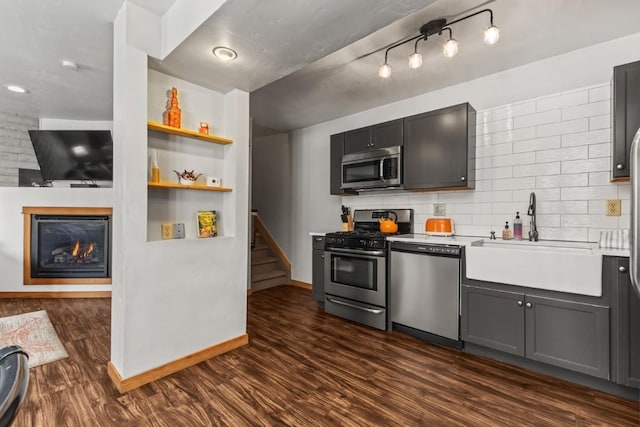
[{"x": 301, "y": 368}]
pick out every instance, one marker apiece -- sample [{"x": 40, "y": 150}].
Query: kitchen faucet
[{"x": 533, "y": 230}]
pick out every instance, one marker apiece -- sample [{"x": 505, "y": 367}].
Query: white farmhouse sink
[{"x": 571, "y": 267}]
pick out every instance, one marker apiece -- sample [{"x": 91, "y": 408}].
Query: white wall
[
  {"x": 172, "y": 298},
  {"x": 271, "y": 186},
  {"x": 513, "y": 118}
]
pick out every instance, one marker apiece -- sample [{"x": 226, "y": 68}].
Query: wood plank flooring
[{"x": 301, "y": 368}]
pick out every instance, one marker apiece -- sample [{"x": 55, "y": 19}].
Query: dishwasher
[{"x": 424, "y": 284}]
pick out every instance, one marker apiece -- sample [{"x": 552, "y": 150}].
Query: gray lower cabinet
[
  {"x": 493, "y": 319},
  {"x": 563, "y": 333},
  {"x": 626, "y": 320},
  {"x": 568, "y": 334},
  {"x": 317, "y": 269}
]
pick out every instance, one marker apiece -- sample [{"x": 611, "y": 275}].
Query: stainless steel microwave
[{"x": 381, "y": 168}]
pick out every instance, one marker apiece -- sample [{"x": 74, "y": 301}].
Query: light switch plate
[
  {"x": 439, "y": 209},
  {"x": 178, "y": 231}
]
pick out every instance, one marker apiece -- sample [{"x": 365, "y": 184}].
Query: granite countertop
[
  {"x": 441, "y": 240},
  {"x": 317, "y": 233}
]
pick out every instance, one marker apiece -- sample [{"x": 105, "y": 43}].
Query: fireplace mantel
[{"x": 28, "y": 211}]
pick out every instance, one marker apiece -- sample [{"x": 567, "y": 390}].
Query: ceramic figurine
[{"x": 172, "y": 115}]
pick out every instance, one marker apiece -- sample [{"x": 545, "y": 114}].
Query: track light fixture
[{"x": 449, "y": 48}]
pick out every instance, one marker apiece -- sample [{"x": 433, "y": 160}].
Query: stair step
[
  {"x": 263, "y": 267},
  {"x": 271, "y": 274},
  {"x": 260, "y": 261},
  {"x": 269, "y": 280}
]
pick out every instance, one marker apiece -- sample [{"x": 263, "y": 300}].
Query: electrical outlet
[
  {"x": 439, "y": 209},
  {"x": 178, "y": 231},
  {"x": 167, "y": 231},
  {"x": 614, "y": 207}
]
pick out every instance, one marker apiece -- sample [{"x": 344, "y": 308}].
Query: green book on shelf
[{"x": 207, "y": 226}]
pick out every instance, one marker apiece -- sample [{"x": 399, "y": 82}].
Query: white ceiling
[{"x": 304, "y": 62}]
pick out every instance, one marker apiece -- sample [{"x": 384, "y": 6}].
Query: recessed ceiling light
[
  {"x": 69, "y": 64},
  {"x": 16, "y": 89},
  {"x": 224, "y": 53}
]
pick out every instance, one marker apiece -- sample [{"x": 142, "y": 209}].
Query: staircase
[{"x": 267, "y": 269}]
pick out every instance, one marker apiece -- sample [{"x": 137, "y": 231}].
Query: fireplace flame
[
  {"x": 90, "y": 248},
  {"x": 76, "y": 248}
]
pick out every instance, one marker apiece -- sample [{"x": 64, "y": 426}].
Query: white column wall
[{"x": 171, "y": 298}]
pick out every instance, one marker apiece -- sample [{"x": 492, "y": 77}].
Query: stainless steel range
[{"x": 355, "y": 266}]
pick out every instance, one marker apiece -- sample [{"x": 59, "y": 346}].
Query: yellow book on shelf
[{"x": 207, "y": 226}]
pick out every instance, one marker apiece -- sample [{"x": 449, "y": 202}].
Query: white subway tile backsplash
[
  {"x": 558, "y": 146},
  {"x": 514, "y": 159},
  {"x": 589, "y": 193},
  {"x": 560, "y": 181},
  {"x": 600, "y": 122},
  {"x": 513, "y": 135},
  {"x": 591, "y": 165},
  {"x": 543, "y": 195},
  {"x": 539, "y": 169},
  {"x": 514, "y": 183},
  {"x": 537, "y": 144},
  {"x": 586, "y": 110},
  {"x": 562, "y": 128},
  {"x": 600, "y": 93},
  {"x": 494, "y": 150},
  {"x": 566, "y": 207},
  {"x": 571, "y": 153},
  {"x": 564, "y": 100},
  {"x": 551, "y": 116},
  {"x": 599, "y": 178},
  {"x": 584, "y": 138},
  {"x": 600, "y": 150},
  {"x": 513, "y": 110}
]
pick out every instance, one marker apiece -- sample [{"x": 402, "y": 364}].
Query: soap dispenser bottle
[
  {"x": 517, "y": 227},
  {"x": 506, "y": 232}
]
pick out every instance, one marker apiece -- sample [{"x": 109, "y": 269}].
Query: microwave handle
[{"x": 381, "y": 170}]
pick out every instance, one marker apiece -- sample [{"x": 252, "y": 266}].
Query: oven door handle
[
  {"x": 381, "y": 171},
  {"x": 370, "y": 254},
  {"x": 368, "y": 310}
]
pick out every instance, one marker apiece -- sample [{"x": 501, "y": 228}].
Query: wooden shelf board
[
  {"x": 165, "y": 184},
  {"x": 159, "y": 127}
]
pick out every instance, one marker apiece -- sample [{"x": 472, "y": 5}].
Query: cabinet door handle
[
  {"x": 529, "y": 305},
  {"x": 519, "y": 303},
  {"x": 622, "y": 269},
  {"x": 462, "y": 178},
  {"x": 323, "y": 256},
  {"x": 620, "y": 166}
]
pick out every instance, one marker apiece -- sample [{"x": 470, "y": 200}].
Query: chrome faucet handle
[{"x": 493, "y": 236}]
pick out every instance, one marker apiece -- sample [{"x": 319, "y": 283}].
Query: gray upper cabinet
[
  {"x": 439, "y": 149},
  {"x": 568, "y": 334},
  {"x": 626, "y": 115},
  {"x": 387, "y": 134},
  {"x": 572, "y": 335},
  {"x": 626, "y": 321},
  {"x": 493, "y": 319},
  {"x": 335, "y": 171}
]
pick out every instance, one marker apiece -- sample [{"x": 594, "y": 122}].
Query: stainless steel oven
[
  {"x": 380, "y": 168},
  {"x": 356, "y": 285}
]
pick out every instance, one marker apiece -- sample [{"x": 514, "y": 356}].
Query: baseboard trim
[
  {"x": 299, "y": 284},
  {"x": 127, "y": 384},
  {"x": 97, "y": 294}
]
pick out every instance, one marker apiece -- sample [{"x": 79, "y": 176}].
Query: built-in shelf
[
  {"x": 165, "y": 184},
  {"x": 159, "y": 127}
]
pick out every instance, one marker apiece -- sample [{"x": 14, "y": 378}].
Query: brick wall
[
  {"x": 558, "y": 146},
  {"x": 16, "y": 150}
]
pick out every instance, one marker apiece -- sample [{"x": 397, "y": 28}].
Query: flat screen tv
[{"x": 74, "y": 154}]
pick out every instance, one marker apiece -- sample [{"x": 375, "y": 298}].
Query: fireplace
[{"x": 67, "y": 245}]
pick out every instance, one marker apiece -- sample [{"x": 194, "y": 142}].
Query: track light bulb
[
  {"x": 450, "y": 48},
  {"x": 415, "y": 60},
  {"x": 491, "y": 35},
  {"x": 384, "y": 71}
]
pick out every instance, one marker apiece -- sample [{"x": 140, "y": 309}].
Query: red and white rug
[{"x": 35, "y": 334}]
